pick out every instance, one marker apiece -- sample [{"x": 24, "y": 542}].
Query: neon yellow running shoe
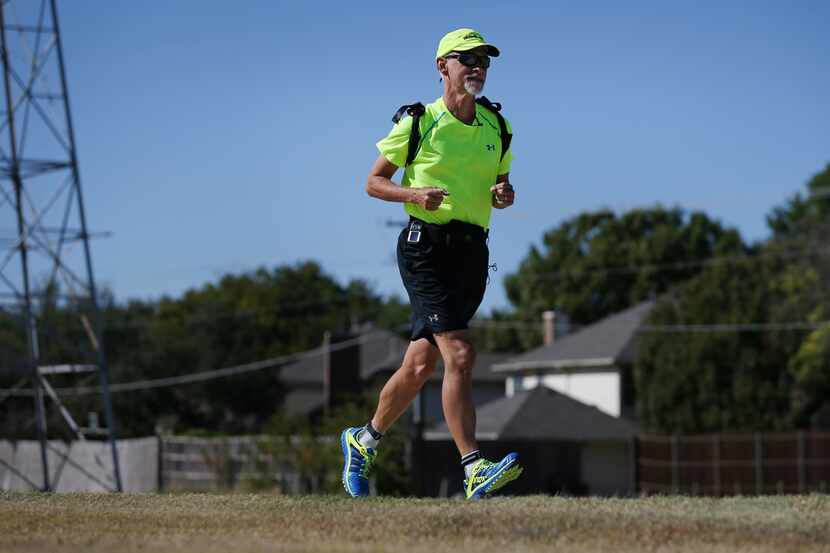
[
  {"x": 357, "y": 462},
  {"x": 488, "y": 477}
]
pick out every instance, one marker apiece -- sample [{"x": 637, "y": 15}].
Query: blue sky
[{"x": 218, "y": 137}]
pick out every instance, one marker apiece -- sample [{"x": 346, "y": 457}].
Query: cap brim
[{"x": 492, "y": 51}]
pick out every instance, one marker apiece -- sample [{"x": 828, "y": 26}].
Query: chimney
[{"x": 549, "y": 326}]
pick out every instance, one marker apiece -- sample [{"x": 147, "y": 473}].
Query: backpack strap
[
  {"x": 415, "y": 111},
  {"x": 495, "y": 108}
]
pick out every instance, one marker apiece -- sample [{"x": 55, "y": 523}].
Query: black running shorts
[{"x": 444, "y": 270}]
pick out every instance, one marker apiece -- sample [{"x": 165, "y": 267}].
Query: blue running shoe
[
  {"x": 488, "y": 477},
  {"x": 357, "y": 462}
]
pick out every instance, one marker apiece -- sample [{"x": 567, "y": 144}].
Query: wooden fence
[
  {"x": 703, "y": 464},
  {"x": 236, "y": 463},
  {"x": 732, "y": 464}
]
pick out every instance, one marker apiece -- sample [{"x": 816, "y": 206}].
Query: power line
[
  {"x": 716, "y": 260},
  {"x": 284, "y": 359},
  {"x": 344, "y": 297},
  {"x": 201, "y": 376},
  {"x": 206, "y": 314},
  {"x": 732, "y": 328}
]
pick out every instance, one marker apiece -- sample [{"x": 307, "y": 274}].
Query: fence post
[
  {"x": 716, "y": 461},
  {"x": 802, "y": 468},
  {"x": 759, "y": 475},
  {"x": 675, "y": 465},
  {"x": 634, "y": 465},
  {"x": 160, "y": 461}
]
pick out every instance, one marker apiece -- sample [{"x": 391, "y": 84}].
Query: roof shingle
[
  {"x": 542, "y": 414},
  {"x": 604, "y": 343}
]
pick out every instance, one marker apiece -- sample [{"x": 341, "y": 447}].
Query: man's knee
[
  {"x": 420, "y": 361},
  {"x": 423, "y": 369},
  {"x": 460, "y": 357}
]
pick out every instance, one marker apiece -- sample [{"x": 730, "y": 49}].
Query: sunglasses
[{"x": 470, "y": 59}]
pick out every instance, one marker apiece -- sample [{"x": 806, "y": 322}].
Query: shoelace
[
  {"x": 364, "y": 470},
  {"x": 361, "y": 462},
  {"x": 480, "y": 474}
]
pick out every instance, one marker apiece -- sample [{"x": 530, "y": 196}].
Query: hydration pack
[{"x": 417, "y": 110}]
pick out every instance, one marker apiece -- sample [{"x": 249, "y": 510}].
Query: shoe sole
[
  {"x": 513, "y": 471},
  {"x": 507, "y": 476},
  {"x": 347, "y": 455}
]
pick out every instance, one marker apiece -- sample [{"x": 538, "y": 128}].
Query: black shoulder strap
[
  {"x": 415, "y": 111},
  {"x": 495, "y": 107}
]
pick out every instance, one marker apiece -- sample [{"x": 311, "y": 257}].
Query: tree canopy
[
  {"x": 595, "y": 264},
  {"x": 765, "y": 367},
  {"x": 241, "y": 319}
]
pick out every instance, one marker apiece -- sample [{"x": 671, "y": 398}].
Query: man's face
[{"x": 472, "y": 78}]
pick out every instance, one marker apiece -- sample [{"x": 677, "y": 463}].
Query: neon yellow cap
[{"x": 461, "y": 40}]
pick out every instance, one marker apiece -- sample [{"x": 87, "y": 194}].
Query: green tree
[
  {"x": 595, "y": 264},
  {"x": 802, "y": 211},
  {"x": 241, "y": 319},
  {"x": 237, "y": 320},
  {"x": 745, "y": 378},
  {"x": 810, "y": 369},
  {"x": 719, "y": 379},
  {"x": 801, "y": 229}
]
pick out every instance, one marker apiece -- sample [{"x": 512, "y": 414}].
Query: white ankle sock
[
  {"x": 366, "y": 440},
  {"x": 468, "y": 469}
]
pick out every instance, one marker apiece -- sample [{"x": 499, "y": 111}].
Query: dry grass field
[{"x": 240, "y": 523}]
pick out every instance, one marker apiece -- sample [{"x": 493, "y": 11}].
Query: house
[
  {"x": 592, "y": 365},
  {"x": 357, "y": 363},
  {"x": 340, "y": 372},
  {"x": 564, "y": 445}
]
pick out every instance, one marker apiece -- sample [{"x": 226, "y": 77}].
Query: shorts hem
[{"x": 429, "y": 334}]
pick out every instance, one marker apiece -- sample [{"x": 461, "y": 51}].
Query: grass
[{"x": 253, "y": 523}]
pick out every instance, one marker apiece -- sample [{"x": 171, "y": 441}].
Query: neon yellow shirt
[{"x": 462, "y": 159}]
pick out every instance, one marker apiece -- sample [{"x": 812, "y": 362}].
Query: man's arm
[
  {"x": 379, "y": 185},
  {"x": 503, "y": 194}
]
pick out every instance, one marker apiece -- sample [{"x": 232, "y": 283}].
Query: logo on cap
[{"x": 473, "y": 35}]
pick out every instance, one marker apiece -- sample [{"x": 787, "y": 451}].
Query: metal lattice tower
[{"x": 44, "y": 244}]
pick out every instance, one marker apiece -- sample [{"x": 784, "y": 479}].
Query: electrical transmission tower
[{"x": 46, "y": 276}]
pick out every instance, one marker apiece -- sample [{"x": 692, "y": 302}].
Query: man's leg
[
  {"x": 481, "y": 476},
  {"x": 457, "y": 390},
  {"x": 399, "y": 391},
  {"x": 359, "y": 444}
]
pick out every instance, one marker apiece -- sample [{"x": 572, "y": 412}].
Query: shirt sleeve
[
  {"x": 395, "y": 146},
  {"x": 507, "y": 160}
]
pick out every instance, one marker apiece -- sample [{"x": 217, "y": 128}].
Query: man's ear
[{"x": 441, "y": 65}]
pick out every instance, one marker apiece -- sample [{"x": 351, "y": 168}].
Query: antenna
[{"x": 47, "y": 239}]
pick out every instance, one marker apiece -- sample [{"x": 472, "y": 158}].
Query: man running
[{"x": 460, "y": 171}]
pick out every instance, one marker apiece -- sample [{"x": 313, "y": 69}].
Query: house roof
[
  {"x": 605, "y": 343},
  {"x": 379, "y": 350},
  {"x": 302, "y": 402},
  {"x": 542, "y": 414}
]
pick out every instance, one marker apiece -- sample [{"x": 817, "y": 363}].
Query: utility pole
[{"x": 40, "y": 184}]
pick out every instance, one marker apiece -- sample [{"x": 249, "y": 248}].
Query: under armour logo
[
  {"x": 491, "y": 147},
  {"x": 433, "y": 318}
]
